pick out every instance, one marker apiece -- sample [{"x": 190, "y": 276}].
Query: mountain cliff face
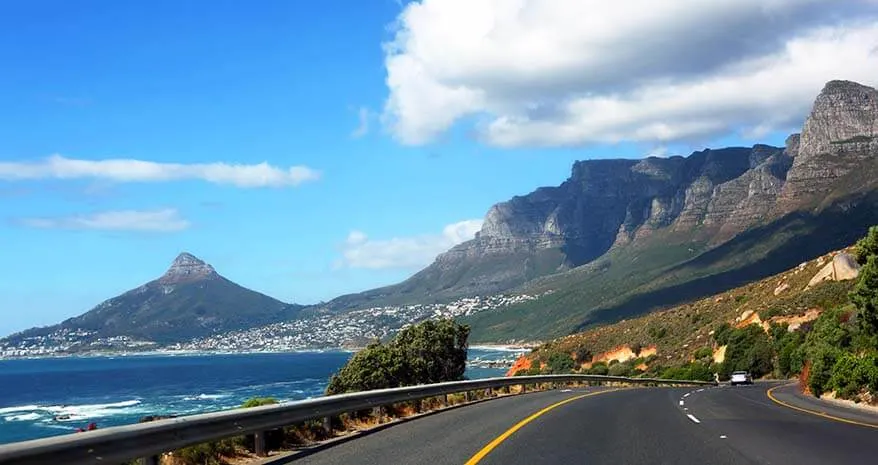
[
  {"x": 190, "y": 300},
  {"x": 639, "y": 225}
]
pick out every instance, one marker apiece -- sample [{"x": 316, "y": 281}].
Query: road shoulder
[{"x": 788, "y": 395}]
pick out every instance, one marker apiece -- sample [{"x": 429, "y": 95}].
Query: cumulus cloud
[
  {"x": 574, "y": 72},
  {"x": 163, "y": 220},
  {"x": 126, "y": 170},
  {"x": 404, "y": 252}
]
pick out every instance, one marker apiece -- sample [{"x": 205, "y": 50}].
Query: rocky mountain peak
[
  {"x": 187, "y": 267},
  {"x": 844, "y": 111}
]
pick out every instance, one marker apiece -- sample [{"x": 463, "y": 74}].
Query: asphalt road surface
[{"x": 722, "y": 425}]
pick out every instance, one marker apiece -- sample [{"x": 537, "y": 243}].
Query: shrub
[
  {"x": 429, "y": 352},
  {"x": 748, "y": 349},
  {"x": 583, "y": 355},
  {"x": 657, "y": 332},
  {"x": 212, "y": 453},
  {"x": 259, "y": 402},
  {"x": 704, "y": 352},
  {"x": 865, "y": 297},
  {"x": 787, "y": 347},
  {"x": 767, "y": 313},
  {"x": 599, "y": 368},
  {"x": 867, "y": 246},
  {"x": 721, "y": 334},
  {"x": 852, "y": 374},
  {"x": 560, "y": 363},
  {"x": 823, "y": 360},
  {"x": 620, "y": 369}
]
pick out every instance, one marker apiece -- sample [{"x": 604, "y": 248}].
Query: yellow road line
[
  {"x": 496, "y": 442},
  {"x": 814, "y": 412}
]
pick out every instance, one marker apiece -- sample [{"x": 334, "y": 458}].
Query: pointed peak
[
  {"x": 187, "y": 267},
  {"x": 187, "y": 258}
]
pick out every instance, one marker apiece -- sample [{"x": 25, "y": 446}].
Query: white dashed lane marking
[{"x": 692, "y": 417}]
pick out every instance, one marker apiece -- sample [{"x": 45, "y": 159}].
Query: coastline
[{"x": 515, "y": 348}]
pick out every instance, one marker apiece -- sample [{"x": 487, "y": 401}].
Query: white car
[{"x": 741, "y": 377}]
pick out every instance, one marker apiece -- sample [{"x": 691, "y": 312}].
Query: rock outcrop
[
  {"x": 842, "y": 268},
  {"x": 837, "y": 138}
]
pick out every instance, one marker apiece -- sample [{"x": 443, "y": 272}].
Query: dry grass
[{"x": 679, "y": 332}]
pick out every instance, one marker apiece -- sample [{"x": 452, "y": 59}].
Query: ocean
[{"x": 48, "y": 397}]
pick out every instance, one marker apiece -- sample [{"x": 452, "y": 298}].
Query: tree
[
  {"x": 749, "y": 349},
  {"x": 865, "y": 297},
  {"x": 429, "y": 352},
  {"x": 722, "y": 333},
  {"x": 583, "y": 355},
  {"x": 560, "y": 363},
  {"x": 867, "y": 246}
]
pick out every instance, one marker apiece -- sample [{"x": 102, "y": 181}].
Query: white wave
[
  {"x": 207, "y": 397},
  {"x": 23, "y": 417},
  {"x": 21, "y": 408},
  {"x": 501, "y": 348}
]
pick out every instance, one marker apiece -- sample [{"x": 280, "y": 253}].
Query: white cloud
[
  {"x": 126, "y": 170},
  {"x": 404, "y": 252},
  {"x": 573, "y": 72},
  {"x": 363, "y": 118},
  {"x": 164, "y": 220}
]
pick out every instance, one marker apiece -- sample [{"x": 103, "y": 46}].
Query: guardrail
[{"x": 148, "y": 440}]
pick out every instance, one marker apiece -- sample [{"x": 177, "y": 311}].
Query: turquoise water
[{"x": 48, "y": 397}]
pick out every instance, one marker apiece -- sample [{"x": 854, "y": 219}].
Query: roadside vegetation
[
  {"x": 825, "y": 334},
  {"x": 429, "y": 352}
]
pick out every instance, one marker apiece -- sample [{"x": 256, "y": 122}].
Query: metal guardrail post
[
  {"x": 327, "y": 424},
  {"x": 467, "y": 397},
  {"x": 523, "y": 388},
  {"x": 259, "y": 444}
]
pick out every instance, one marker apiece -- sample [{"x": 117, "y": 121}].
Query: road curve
[{"x": 722, "y": 425}]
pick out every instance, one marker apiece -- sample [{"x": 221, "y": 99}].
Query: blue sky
[{"x": 310, "y": 149}]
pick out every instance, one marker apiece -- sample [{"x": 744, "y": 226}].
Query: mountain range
[{"x": 618, "y": 238}]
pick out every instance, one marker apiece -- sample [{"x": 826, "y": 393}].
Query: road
[{"x": 721, "y": 425}]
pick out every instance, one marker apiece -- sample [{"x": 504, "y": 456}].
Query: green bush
[
  {"x": 599, "y": 368},
  {"x": 852, "y": 374},
  {"x": 620, "y": 369},
  {"x": 767, "y": 313},
  {"x": 429, "y": 352},
  {"x": 212, "y": 453},
  {"x": 865, "y": 297},
  {"x": 786, "y": 348},
  {"x": 748, "y": 349},
  {"x": 721, "y": 334},
  {"x": 823, "y": 359},
  {"x": 559, "y": 363},
  {"x": 704, "y": 352},
  {"x": 583, "y": 355},
  {"x": 657, "y": 332},
  {"x": 259, "y": 402},
  {"x": 867, "y": 246}
]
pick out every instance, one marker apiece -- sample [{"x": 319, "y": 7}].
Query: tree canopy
[{"x": 429, "y": 352}]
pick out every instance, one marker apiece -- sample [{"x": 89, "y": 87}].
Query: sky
[{"x": 312, "y": 149}]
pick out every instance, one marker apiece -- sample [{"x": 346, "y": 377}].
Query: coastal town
[{"x": 320, "y": 330}]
